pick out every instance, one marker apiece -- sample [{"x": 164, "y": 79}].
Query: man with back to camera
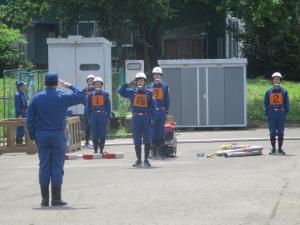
[
  {"x": 276, "y": 107},
  {"x": 46, "y": 124}
]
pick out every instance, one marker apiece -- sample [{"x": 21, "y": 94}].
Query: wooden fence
[{"x": 8, "y": 136}]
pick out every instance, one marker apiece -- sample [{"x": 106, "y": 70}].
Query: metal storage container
[{"x": 207, "y": 92}]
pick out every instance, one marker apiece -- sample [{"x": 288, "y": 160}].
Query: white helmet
[
  {"x": 140, "y": 75},
  {"x": 91, "y": 76},
  {"x": 276, "y": 74},
  {"x": 98, "y": 79},
  {"x": 157, "y": 70}
]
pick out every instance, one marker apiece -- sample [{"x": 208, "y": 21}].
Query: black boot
[
  {"x": 87, "y": 136},
  {"x": 273, "y": 143},
  {"x": 56, "y": 196},
  {"x": 147, "y": 151},
  {"x": 95, "y": 144},
  {"x": 45, "y": 196},
  {"x": 86, "y": 144},
  {"x": 160, "y": 148},
  {"x": 280, "y": 142},
  {"x": 138, "y": 152},
  {"x": 153, "y": 154},
  {"x": 19, "y": 140},
  {"x": 102, "y": 143}
]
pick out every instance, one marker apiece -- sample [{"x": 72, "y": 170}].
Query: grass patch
[
  {"x": 121, "y": 132},
  {"x": 256, "y": 89}
]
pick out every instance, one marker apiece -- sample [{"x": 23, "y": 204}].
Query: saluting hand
[{"x": 64, "y": 83}]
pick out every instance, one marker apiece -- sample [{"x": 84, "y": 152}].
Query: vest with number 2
[{"x": 277, "y": 99}]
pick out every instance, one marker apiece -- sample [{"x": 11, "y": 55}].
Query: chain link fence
[{"x": 34, "y": 80}]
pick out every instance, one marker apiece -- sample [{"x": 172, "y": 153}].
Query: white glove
[{"x": 64, "y": 83}]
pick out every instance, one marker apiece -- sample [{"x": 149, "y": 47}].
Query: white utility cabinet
[
  {"x": 75, "y": 57},
  {"x": 132, "y": 68}
]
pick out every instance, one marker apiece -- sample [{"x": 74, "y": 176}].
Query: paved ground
[{"x": 260, "y": 190}]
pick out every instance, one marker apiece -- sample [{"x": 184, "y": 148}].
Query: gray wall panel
[
  {"x": 202, "y": 95},
  {"x": 172, "y": 76},
  {"x": 207, "y": 93},
  {"x": 216, "y": 96},
  {"x": 234, "y": 95},
  {"x": 189, "y": 96}
]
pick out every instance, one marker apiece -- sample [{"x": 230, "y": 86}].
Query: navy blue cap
[
  {"x": 51, "y": 78},
  {"x": 20, "y": 84}
]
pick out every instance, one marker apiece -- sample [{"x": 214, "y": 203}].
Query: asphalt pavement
[{"x": 186, "y": 189}]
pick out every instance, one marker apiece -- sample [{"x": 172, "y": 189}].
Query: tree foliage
[
  {"x": 272, "y": 31},
  {"x": 10, "y": 55},
  {"x": 271, "y": 38}
]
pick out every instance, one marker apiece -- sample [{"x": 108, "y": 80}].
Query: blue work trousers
[
  {"x": 141, "y": 127},
  {"x": 158, "y": 129},
  {"x": 276, "y": 123},
  {"x": 98, "y": 125},
  {"x": 20, "y": 130},
  {"x": 87, "y": 127},
  {"x": 51, "y": 149}
]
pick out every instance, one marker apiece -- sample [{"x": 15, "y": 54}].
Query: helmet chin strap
[{"x": 277, "y": 85}]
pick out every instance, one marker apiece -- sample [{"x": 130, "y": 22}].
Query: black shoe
[
  {"x": 138, "y": 163},
  {"x": 86, "y": 144},
  {"x": 147, "y": 163},
  {"x": 153, "y": 156},
  {"x": 161, "y": 157},
  {"x": 273, "y": 151},
  {"x": 19, "y": 140},
  {"x": 56, "y": 196},
  {"x": 280, "y": 151},
  {"x": 45, "y": 196}
]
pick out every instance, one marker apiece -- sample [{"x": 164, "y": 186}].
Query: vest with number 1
[{"x": 99, "y": 101}]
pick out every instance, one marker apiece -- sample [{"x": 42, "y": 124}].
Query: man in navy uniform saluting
[{"x": 46, "y": 124}]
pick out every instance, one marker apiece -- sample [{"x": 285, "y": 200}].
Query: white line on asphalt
[
  {"x": 106, "y": 164},
  {"x": 210, "y": 140}
]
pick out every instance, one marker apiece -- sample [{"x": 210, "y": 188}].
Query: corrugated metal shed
[{"x": 207, "y": 92}]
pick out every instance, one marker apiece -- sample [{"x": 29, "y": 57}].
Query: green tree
[
  {"x": 271, "y": 38},
  {"x": 146, "y": 17},
  {"x": 10, "y": 55}
]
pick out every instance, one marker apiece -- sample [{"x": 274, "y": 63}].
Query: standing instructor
[{"x": 46, "y": 124}]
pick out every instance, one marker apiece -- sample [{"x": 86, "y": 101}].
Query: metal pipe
[
  {"x": 239, "y": 154},
  {"x": 249, "y": 149}
]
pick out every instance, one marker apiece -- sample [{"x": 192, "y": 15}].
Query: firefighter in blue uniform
[
  {"x": 99, "y": 112},
  {"x": 20, "y": 108},
  {"x": 46, "y": 124},
  {"x": 161, "y": 94},
  {"x": 276, "y": 107},
  {"x": 87, "y": 91},
  {"x": 143, "y": 111}
]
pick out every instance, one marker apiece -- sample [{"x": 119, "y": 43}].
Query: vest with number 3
[{"x": 161, "y": 94}]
